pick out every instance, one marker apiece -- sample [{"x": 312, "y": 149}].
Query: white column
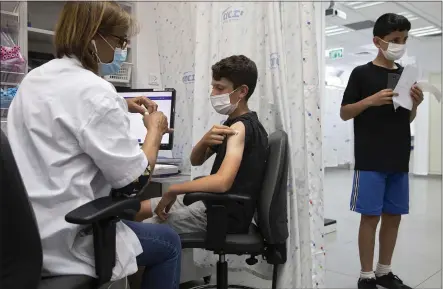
[{"x": 321, "y": 46}]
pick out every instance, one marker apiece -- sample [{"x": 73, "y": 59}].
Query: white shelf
[
  {"x": 127, "y": 4},
  {"x": 3, "y": 12},
  {"x": 41, "y": 35},
  {"x": 9, "y": 83}
]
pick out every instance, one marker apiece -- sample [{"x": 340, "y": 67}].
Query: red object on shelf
[
  {"x": 13, "y": 65},
  {"x": 11, "y": 55}
]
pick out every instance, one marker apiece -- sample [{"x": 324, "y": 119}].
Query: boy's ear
[
  {"x": 244, "y": 91},
  {"x": 376, "y": 42}
]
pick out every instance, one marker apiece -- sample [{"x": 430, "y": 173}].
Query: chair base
[{"x": 222, "y": 277}]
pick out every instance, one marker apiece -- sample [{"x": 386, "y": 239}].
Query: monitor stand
[
  {"x": 165, "y": 154},
  {"x": 165, "y": 157}
]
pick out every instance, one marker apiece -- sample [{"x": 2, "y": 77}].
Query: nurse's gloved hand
[{"x": 141, "y": 104}]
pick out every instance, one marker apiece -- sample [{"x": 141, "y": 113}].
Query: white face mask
[
  {"x": 222, "y": 103},
  {"x": 394, "y": 51}
]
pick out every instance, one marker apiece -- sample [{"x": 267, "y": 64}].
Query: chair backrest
[
  {"x": 21, "y": 252},
  {"x": 272, "y": 215}
]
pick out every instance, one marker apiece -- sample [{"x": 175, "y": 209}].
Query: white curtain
[
  {"x": 175, "y": 25},
  {"x": 338, "y": 136},
  {"x": 280, "y": 38}
]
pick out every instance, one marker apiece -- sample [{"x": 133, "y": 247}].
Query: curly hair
[{"x": 239, "y": 70}]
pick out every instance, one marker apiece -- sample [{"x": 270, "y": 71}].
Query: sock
[
  {"x": 382, "y": 270},
  {"x": 367, "y": 275}
]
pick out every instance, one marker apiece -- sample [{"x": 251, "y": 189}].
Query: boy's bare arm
[
  {"x": 221, "y": 181},
  {"x": 215, "y": 136}
]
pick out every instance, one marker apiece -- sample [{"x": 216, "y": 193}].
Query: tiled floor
[{"x": 418, "y": 255}]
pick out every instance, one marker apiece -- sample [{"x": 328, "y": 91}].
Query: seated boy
[{"x": 240, "y": 146}]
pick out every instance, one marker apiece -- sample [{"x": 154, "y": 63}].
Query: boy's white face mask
[
  {"x": 394, "y": 51},
  {"x": 222, "y": 103}
]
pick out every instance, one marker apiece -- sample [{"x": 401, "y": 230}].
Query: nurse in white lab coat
[{"x": 69, "y": 133}]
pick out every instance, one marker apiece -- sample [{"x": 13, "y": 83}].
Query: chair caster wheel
[{"x": 207, "y": 279}]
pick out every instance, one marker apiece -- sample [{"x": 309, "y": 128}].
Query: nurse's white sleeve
[{"x": 106, "y": 139}]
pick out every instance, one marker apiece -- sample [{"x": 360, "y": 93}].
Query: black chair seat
[
  {"x": 235, "y": 243},
  {"x": 79, "y": 282},
  {"x": 68, "y": 282}
]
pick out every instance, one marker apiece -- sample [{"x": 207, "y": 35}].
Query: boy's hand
[
  {"x": 382, "y": 97},
  {"x": 165, "y": 204},
  {"x": 217, "y": 134},
  {"x": 417, "y": 95}
]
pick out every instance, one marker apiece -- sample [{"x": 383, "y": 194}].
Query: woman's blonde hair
[{"x": 79, "y": 23}]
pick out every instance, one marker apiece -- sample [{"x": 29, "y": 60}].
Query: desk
[
  {"x": 189, "y": 272},
  {"x": 159, "y": 185},
  {"x": 180, "y": 178}
]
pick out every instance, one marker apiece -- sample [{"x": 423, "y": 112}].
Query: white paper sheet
[
  {"x": 403, "y": 88},
  {"x": 427, "y": 87}
]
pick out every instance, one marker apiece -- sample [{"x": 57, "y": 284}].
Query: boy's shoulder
[
  {"x": 362, "y": 68},
  {"x": 254, "y": 130},
  {"x": 371, "y": 67}
]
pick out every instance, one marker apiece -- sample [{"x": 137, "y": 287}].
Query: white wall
[
  {"x": 435, "y": 128},
  {"x": 420, "y": 154},
  {"x": 428, "y": 54},
  {"x": 145, "y": 48}
]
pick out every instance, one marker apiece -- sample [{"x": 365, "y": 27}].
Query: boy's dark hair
[
  {"x": 390, "y": 22},
  {"x": 238, "y": 69}
]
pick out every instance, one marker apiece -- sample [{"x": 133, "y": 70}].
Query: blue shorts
[{"x": 375, "y": 193}]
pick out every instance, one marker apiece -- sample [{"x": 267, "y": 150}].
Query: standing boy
[{"x": 382, "y": 150}]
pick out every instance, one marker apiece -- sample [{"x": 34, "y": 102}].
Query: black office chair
[
  {"x": 21, "y": 251},
  {"x": 268, "y": 238}
]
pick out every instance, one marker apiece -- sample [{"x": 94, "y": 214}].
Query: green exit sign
[{"x": 336, "y": 53}]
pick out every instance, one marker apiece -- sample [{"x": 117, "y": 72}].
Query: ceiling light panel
[
  {"x": 336, "y": 30},
  {"x": 425, "y": 31},
  {"x": 429, "y": 33},
  {"x": 408, "y": 15},
  {"x": 331, "y": 27},
  {"x": 361, "y": 5},
  {"x": 337, "y": 33},
  {"x": 418, "y": 30}
]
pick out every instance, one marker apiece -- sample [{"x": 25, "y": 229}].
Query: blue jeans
[{"x": 161, "y": 255}]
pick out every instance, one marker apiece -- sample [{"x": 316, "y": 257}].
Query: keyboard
[{"x": 162, "y": 169}]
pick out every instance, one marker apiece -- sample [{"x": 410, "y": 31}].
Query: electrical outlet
[{"x": 154, "y": 79}]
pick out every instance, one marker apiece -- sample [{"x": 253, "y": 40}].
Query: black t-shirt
[
  {"x": 382, "y": 135},
  {"x": 249, "y": 176}
]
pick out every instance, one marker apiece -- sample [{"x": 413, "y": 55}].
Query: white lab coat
[{"x": 69, "y": 133}]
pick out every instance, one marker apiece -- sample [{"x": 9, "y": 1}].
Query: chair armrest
[
  {"x": 216, "y": 214},
  {"x": 103, "y": 214},
  {"x": 190, "y": 198},
  {"x": 101, "y": 209}
]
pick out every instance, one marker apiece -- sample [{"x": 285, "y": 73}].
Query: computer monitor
[{"x": 166, "y": 104}]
